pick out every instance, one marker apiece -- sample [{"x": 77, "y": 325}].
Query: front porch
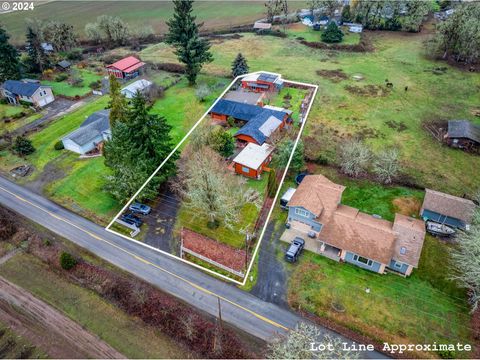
[{"x": 315, "y": 245}]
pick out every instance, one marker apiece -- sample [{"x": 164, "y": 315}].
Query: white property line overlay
[{"x": 242, "y": 283}]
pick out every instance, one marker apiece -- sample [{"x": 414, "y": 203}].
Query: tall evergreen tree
[
  {"x": 332, "y": 33},
  {"x": 9, "y": 64},
  {"x": 239, "y": 66},
  {"x": 190, "y": 49},
  {"x": 138, "y": 146},
  {"x": 118, "y": 103},
  {"x": 37, "y": 59}
]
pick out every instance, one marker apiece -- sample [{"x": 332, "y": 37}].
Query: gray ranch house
[
  {"x": 90, "y": 135},
  {"x": 32, "y": 92},
  {"x": 345, "y": 234}
]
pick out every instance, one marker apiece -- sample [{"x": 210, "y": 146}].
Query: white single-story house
[
  {"x": 141, "y": 85},
  {"x": 93, "y": 131},
  {"x": 32, "y": 92}
]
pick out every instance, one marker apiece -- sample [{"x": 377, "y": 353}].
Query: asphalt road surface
[{"x": 239, "y": 308}]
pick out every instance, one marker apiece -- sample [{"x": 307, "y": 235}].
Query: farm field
[
  {"x": 126, "y": 334},
  {"x": 424, "y": 308},
  {"x": 215, "y": 14},
  {"x": 346, "y": 108},
  {"x": 67, "y": 89}
]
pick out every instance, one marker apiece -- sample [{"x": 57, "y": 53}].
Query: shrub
[
  {"x": 171, "y": 67},
  {"x": 354, "y": 158},
  {"x": 23, "y": 146},
  {"x": 61, "y": 77},
  {"x": 95, "y": 85},
  {"x": 231, "y": 121},
  {"x": 75, "y": 54},
  {"x": 67, "y": 261},
  {"x": 202, "y": 92},
  {"x": 332, "y": 34},
  {"x": 59, "y": 145}
]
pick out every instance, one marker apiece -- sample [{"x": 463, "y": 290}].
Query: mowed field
[
  {"x": 214, "y": 14},
  {"x": 385, "y": 118}
]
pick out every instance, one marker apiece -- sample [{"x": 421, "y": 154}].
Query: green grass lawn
[
  {"x": 298, "y": 30},
  {"x": 66, "y": 89},
  {"x": 162, "y": 78},
  {"x": 423, "y": 308},
  {"x": 7, "y": 110},
  {"x": 181, "y": 107},
  {"x": 297, "y": 96},
  {"x": 125, "y": 333},
  {"x": 398, "y": 57},
  {"x": 18, "y": 123}
]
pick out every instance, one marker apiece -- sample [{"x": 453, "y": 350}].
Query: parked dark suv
[
  {"x": 140, "y": 208},
  {"x": 294, "y": 249},
  {"x": 131, "y": 219}
]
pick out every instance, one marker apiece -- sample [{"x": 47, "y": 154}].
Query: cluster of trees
[
  {"x": 405, "y": 15},
  {"x": 284, "y": 151},
  {"x": 215, "y": 137},
  {"x": 9, "y": 58},
  {"x": 458, "y": 37},
  {"x": 140, "y": 143},
  {"x": 183, "y": 35},
  {"x": 466, "y": 258},
  {"x": 108, "y": 29},
  {"x": 356, "y": 159},
  {"x": 298, "y": 344},
  {"x": 209, "y": 189}
]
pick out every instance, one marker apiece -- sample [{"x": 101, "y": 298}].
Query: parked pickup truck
[
  {"x": 294, "y": 249},
  {"x": 131, "y": 219}
]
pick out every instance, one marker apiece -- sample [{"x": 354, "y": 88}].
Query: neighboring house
[
  {"x": 127, "y": 68},
  {"x": 141, "y": 86},
  {"x": 345, "y": 234},
  {"x": 245, "y": 97},
  {"x": 47, "y": 47},
  {"x": 260, "y": 122},
  {"x": 450, "y": 210},
  {"x": 93, "y": 132},
  {"x": 463, "y": 134},
  {"x": 355, "y": 28},
  {"x": 253, "y": 160},
  {"x": 262, "y": 82},
  {"x": 64, "y": 65},
  {"x": 35, "y": 93}
]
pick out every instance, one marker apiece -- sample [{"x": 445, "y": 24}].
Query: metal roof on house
[
  {"x": 23, "y": 88},
  {"x": 237, "y": 110},
  {"x": 91, "y": 128},
  {"x": 245, "y": 97},
  {"x": 463, "y": 129},
  {"x": 253, "y": 155},
  {"x": 262, "y": 126}
]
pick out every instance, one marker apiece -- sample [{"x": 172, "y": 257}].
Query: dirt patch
[
  {"x": 333, "y": 75},
  {"x": 408, "y": 206},
  {"x": 47, "y": 328},
  {"x": 396, "y": 125},
  {"x": 213, "y": 250},
  {"x": 368, "y": 90},
  {"x": 51, "y": 172}
]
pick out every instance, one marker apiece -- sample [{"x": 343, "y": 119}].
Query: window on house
[
  {"x": 403, "y": 250},
  {"x": 245, "y": 169},
  {"x": 362, "y": 260},
  {"x": 301, "y": 212},
  {"x": 398, "y": 265}
]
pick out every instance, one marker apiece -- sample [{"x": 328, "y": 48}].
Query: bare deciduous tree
[
  {"x": 386, "y": 166},
  {"x": 301, "y": 342},
  {"x": 466, "y": 259},
  {"x": 354, "y": 158},
  {"x": 210, "y": 189}
]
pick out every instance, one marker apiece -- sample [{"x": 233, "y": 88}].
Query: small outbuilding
[
  {"x": 126, "y": 68},
  {"x": 260, "y": 26},
  {"x": 463, "y": 134},
  {"x": 141, "y": 86},
  {"x": 253, "y": 160},
  {"x": 64, "y": 65}
]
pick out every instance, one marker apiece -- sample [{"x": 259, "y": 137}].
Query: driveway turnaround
[{"x": 239, "y": 308}]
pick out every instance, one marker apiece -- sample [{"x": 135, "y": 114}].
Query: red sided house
[
  {"x": 127, "y": 68},
  {"x": 262, "y": 82},
  {"x": 260, "y": 122},
  {"x": 253, "y": 160}
]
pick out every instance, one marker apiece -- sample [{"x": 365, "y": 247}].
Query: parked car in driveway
[
  {"x": 294, "y": 249},
  {"x": 131, "y": 219},
  {"x": 140, "y": 208}
]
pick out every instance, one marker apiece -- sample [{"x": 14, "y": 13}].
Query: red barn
[
  {"x": 127, "y": 68},
  {"x": 253, "y": 160},
  {"x": 262, "y": 82}
]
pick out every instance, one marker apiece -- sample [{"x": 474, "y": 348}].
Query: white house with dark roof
[
  {"x": 32, "y": 92},
  {"x": 131, "y": 90},
  {"x": 93, "y": 131}
]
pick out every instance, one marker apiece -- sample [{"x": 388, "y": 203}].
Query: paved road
[{"x": 239, "y": 308}]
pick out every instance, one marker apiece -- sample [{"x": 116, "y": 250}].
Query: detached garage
[{"x": 253, "y": 160}]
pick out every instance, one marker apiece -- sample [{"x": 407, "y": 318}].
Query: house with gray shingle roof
[
  {"x": 32, "y": 92},
  {"x": 93, "y": 131}
]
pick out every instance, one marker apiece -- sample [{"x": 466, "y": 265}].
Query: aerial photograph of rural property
[{"x": 240, "y": 179}]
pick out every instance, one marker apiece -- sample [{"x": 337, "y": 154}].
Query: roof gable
[
  {"x": 127, "y": 64},
  {"x": 410, "y": 237},
  {"x": 22, "y": 88}
]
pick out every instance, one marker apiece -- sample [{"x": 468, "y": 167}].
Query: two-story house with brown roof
[{"x": 345, "y": 234}]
